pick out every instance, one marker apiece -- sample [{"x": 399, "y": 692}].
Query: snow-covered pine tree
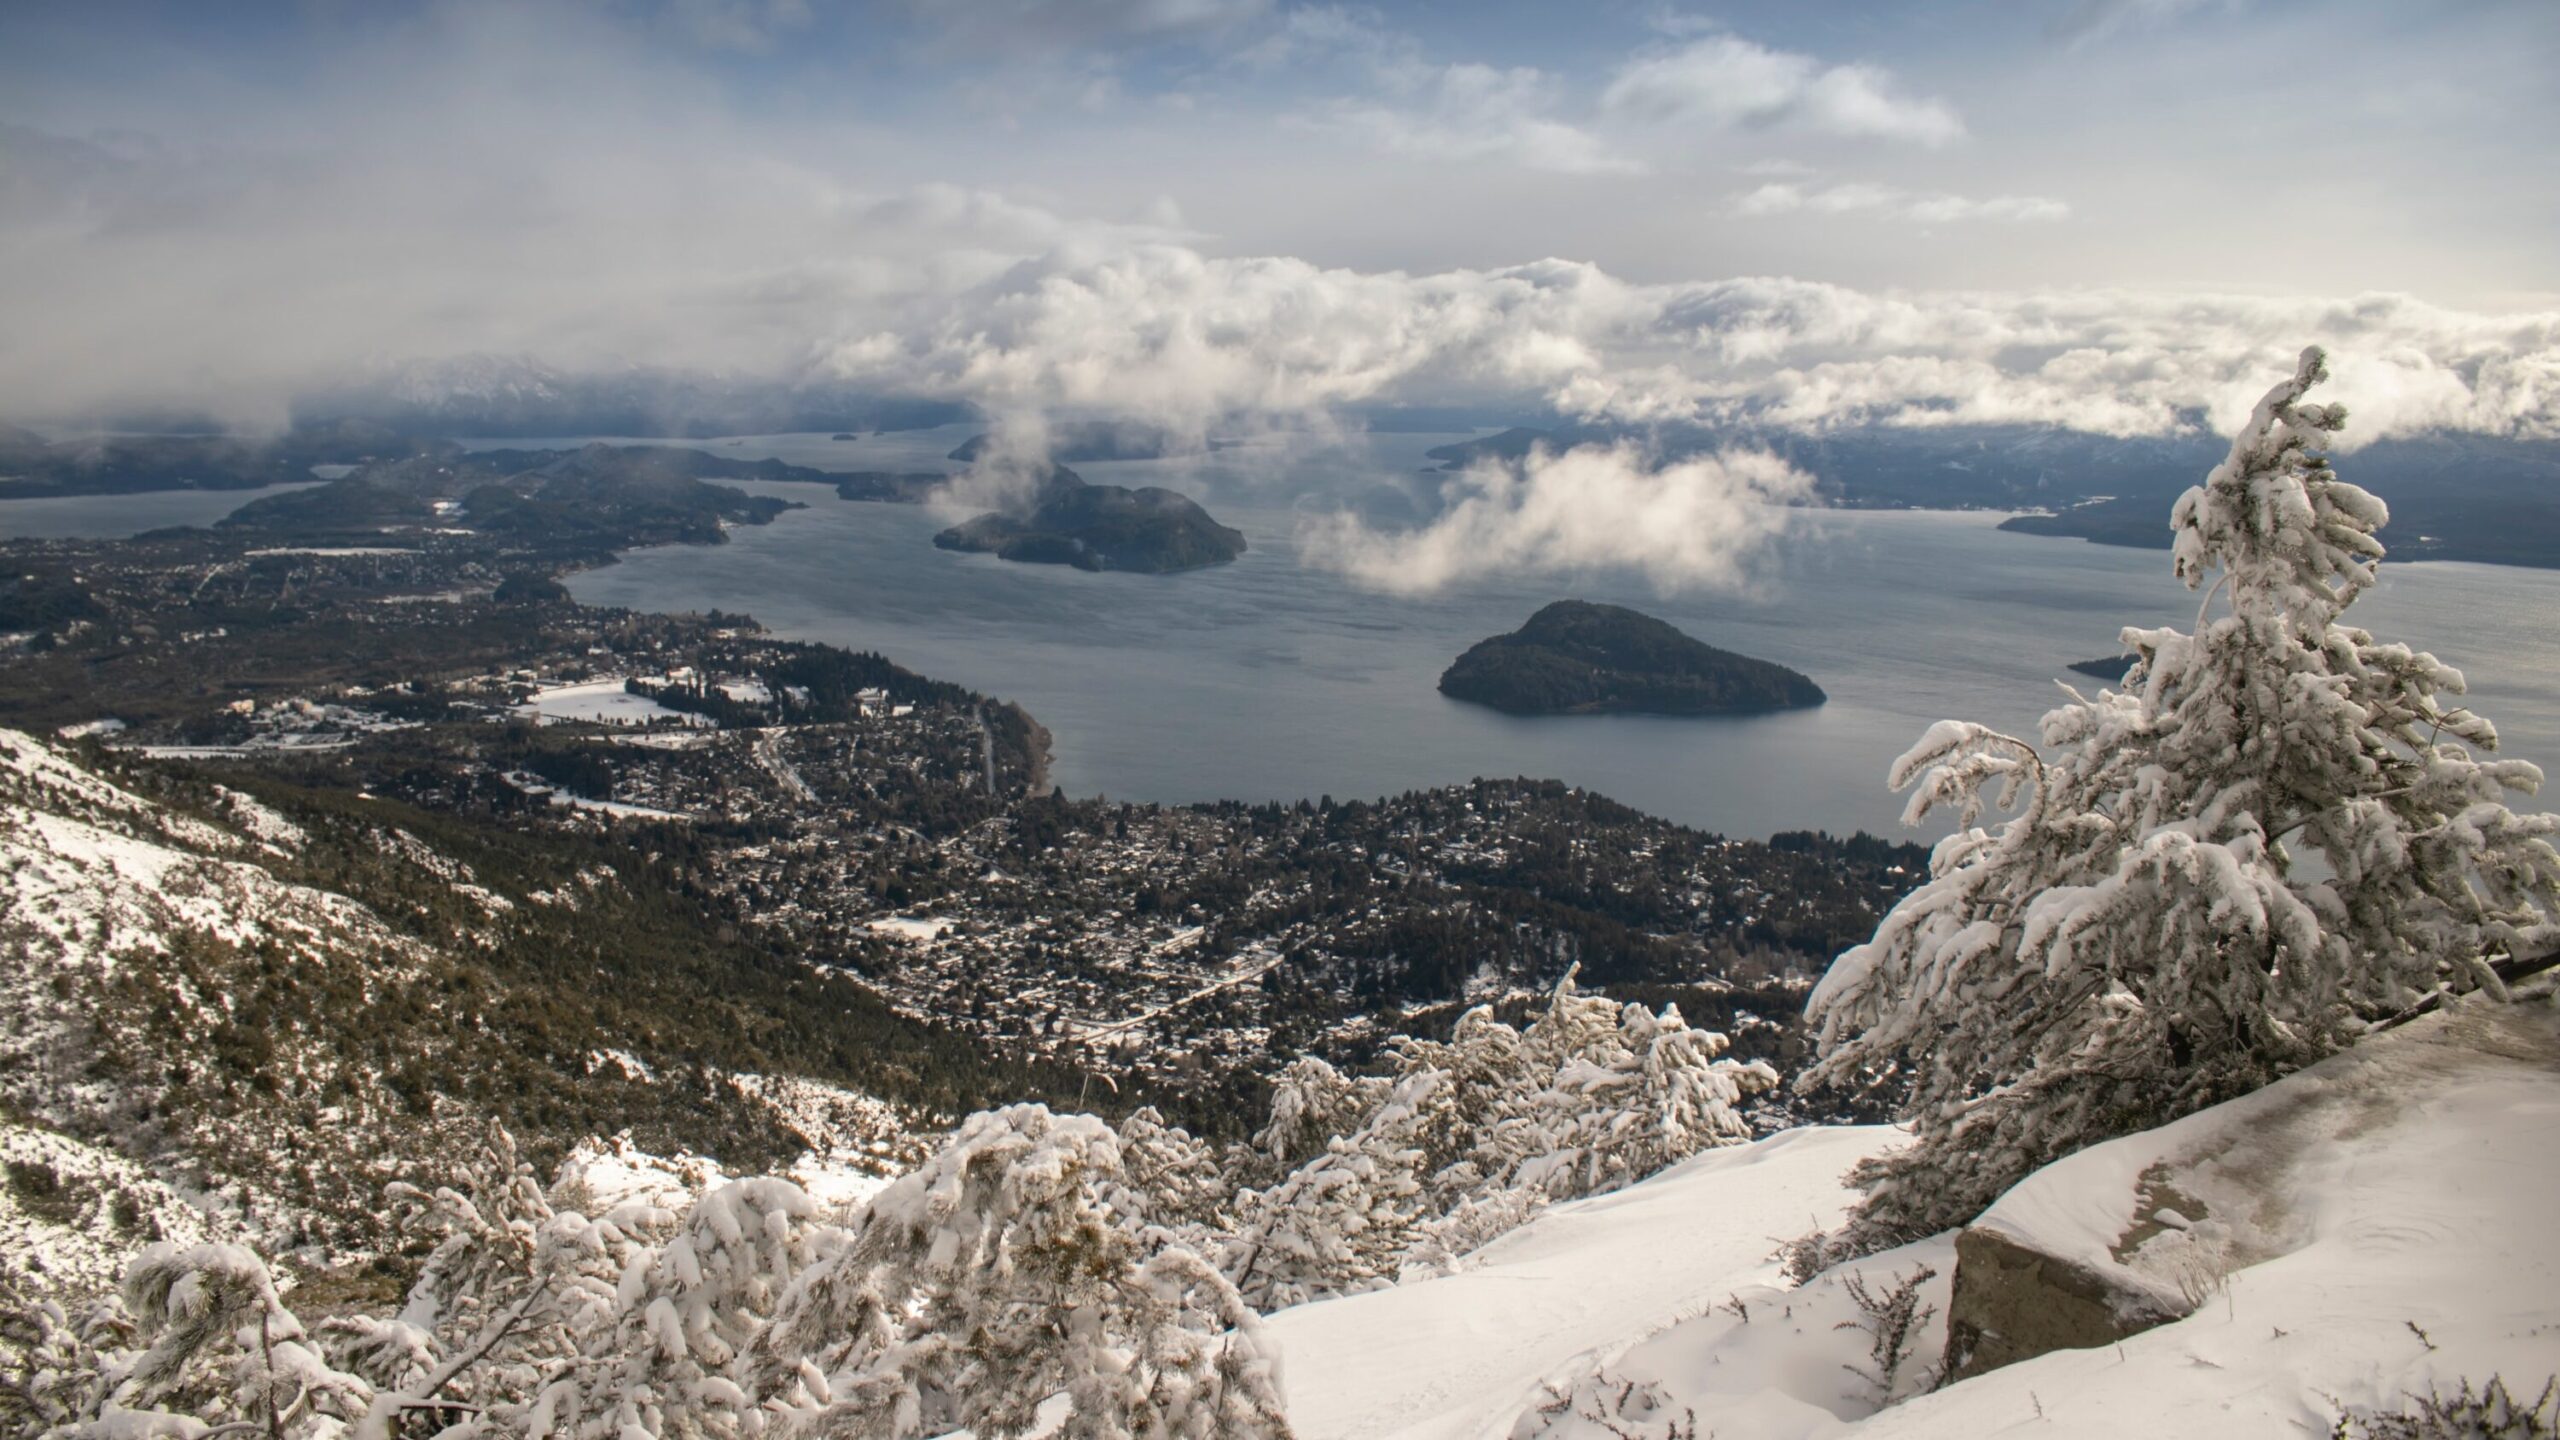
[
  {"x": 1311, "y": 1103},
  {"x": 685, "y": 1314},
  {"x": 224, "y": 1352},
  {"x": 997, "y": 1276},
  {"x": 1469, "y": 1137},
  {"x": 1341, "y": 1222},
  {"x": 505, "y": 1305},
  {"x": 1611, "y": 1093},
  {"x": 1175, "y": 1180},
  {"x": 2273, "y": 835}
]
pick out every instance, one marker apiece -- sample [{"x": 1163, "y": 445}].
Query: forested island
[
  {"x": 1100, "y": 527},
  {"x": 2105, "y": 667},
  {"x": 1579, "y": 658}
]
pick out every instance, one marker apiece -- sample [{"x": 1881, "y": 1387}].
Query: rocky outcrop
[
  {"x": 2012, "y": 1303},
  {"x": 2151, "y": 1228}
]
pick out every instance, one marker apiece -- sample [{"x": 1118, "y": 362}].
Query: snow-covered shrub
[
  {"x": 1468, "y": 1138},
  {"x": 222, "y": 1350},
  {"x": 2274, "y": 834},
  {"x": 1341, "y": 1222},
  {"x": 54, "y": 1370},
  {"x": 2490, "y": 1414},
  {"x": 683, "y": 1314},
  {"x": 1014, "y": 1277},
  {"x": 1311, "y": 1103},
  {"x": 998, "y": 1276},
  {"x": 1603, "y": 1404}
]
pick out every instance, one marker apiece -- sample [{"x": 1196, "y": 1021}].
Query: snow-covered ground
[
  {"x": 2375, "y": 1227},
  {"x": 919, "y": 930},
  {"x": 1462, "y": 1355},
  {"x": 603, "y": 702},
  {"x": 535, "y": 785}
]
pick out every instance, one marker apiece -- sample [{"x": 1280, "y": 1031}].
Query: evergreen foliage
[
  {"x": 2277, "y": 833},
  {"x": 979, "y": 1290},
  {"x": 1466, "y": 1139}
]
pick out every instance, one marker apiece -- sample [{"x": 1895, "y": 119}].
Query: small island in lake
[
  {"x": 2105, "y": 667},
  {"x": 1579, "y": 658},
  {"x": 1100, "y": 527}
]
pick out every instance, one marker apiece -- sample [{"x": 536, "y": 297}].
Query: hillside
[
  {"x": 1578, "y": 658},
  {"x": 274, "y": 1002},
  {"x": 2311, "y": 1274}
]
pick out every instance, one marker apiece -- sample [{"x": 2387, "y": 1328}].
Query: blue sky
[{"x": 227, "y": 200}]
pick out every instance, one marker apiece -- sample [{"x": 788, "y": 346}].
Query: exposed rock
[
  {"x": 2012, "y": 1303},
  {"x": 2150, "y": 1228}
]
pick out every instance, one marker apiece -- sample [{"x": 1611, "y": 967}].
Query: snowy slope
[
  {"x": 1459, "y": 1356},
  {"x": 2404, "y": 1184},
  {"x": 169, "y": 995},
  {"x": 72, "y": 1214}
]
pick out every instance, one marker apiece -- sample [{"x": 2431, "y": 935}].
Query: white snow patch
[
  {"x": 602, "y": 702},
  {"x": 631, "y": 1066},
  {"x": 261, "y": 824},
  {"x": 71, "y": 1214},
  {"x": 917, "y": 930},
  {"x": 330, "y": 550},
  {"x": 535, "y": 785}
]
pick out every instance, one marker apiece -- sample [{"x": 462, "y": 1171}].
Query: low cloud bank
[
  {"x": 1168, "y": 333},
  {"x": 1694, "y": 524},
  {"x": 141, "y": 280}
]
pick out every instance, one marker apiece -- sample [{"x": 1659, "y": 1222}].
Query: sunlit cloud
[
  {"x": 1694, "y": 524},
  {"x": 1727, "y": 81},
  {"x": 1853, "y": 197}
]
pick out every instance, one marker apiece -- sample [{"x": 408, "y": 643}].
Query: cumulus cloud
[
  {"x": 654, "y": 225},
  {"x": 1858, "y": 197},
  {"x": 1479, "y": 112},
  {"x": 1693, "y": 524},
  {"x": 1167, "y": 332},
  {"x": 1727, "y": 81}
]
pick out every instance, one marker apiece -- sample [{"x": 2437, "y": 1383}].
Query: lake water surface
[
  {"x": 1274, "y": 678},
  {"x": 117, "y": 517}
]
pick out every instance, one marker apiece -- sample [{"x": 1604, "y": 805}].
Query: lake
[
  {"x": 1271, "y": 679},
  {"x": 1275, "y": 679},
  {"x": 117, "y": 517}
]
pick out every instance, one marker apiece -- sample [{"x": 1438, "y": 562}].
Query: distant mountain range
[
  {"x": 515, "y": 396},
  {"x": 2452, "y": 496}
]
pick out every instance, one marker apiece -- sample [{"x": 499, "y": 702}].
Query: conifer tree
[
  {"x": 997, "y": 1276},
  {"x": 2274, "y": 834}
]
